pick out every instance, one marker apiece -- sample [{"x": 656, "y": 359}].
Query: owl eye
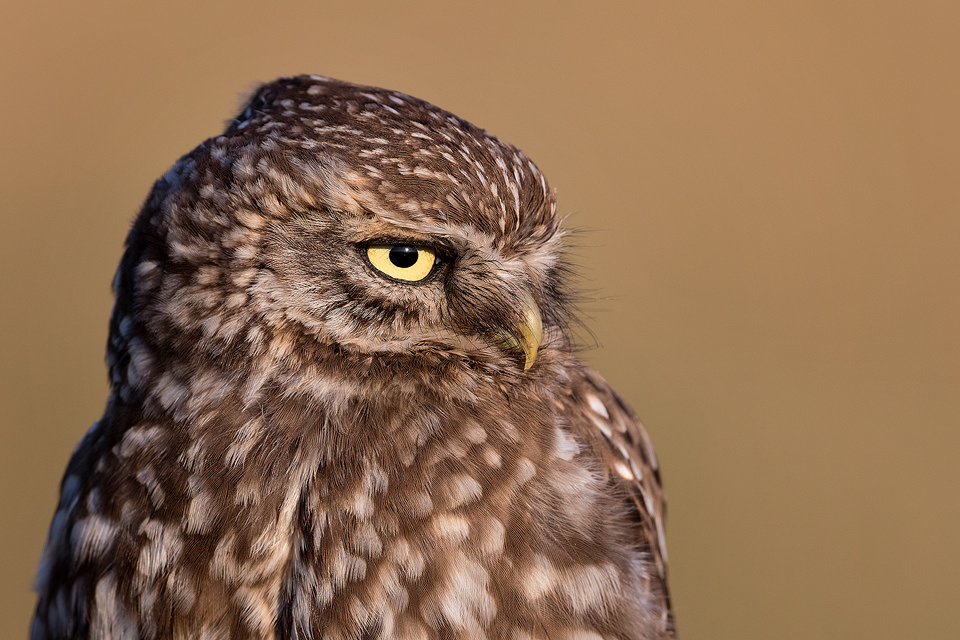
[{"x": 407, "y": 262}]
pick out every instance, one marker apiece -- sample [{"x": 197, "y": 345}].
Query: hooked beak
[{"x": 526, "y": 337}]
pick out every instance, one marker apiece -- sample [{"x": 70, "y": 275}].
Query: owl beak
[
  {"x": 531, "y": 330},
  {"x": 525, "y": 337}
]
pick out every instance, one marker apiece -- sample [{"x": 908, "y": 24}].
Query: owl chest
[
  {"x": 452, "y": 532},
  {"x": 399, "y": 561}
]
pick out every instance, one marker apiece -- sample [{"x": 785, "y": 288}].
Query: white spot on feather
[
  {"x": 602, "y": 425},
  {"x": 525, "y": 470},
  {"x": 539, "y": 578},
  {"x": 623, "y": 470},
  {"x": 597, "y": 405},
  {"x": 91, "y": 537},
  {"x": 492, "y": 535},
  {"x": 566, "y": 447},
  {"x": 161, "y": 552},
  {"x": 137, "y": 439},
  {"x": 462, "y": 599},
  {"x": 587, "y": 587},
  {"x": 462, "y": 489},
  {"x": 110, "y": 619},
  {"x": 450, "y": 527}
]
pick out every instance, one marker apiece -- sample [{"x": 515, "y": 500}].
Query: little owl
[{"x": 345, "y": 404}]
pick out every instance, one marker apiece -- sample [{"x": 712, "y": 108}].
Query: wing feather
[{"x": 627, "y": 454}]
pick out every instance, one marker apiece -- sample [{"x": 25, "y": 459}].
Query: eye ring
[{"x": 402, "y": 261}]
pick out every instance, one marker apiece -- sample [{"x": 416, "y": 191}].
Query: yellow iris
[{"x": 407, "y": 262}]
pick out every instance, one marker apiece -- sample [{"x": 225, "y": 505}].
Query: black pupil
[{"x": 403, "y": 255}]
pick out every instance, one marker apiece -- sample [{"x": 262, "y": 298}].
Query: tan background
[{"x": 773, "y": 241}]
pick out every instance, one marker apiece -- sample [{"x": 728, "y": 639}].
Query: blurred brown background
[{"x": 773, "y": 237}]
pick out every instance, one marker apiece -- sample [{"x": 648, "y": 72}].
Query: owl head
[{"x": 331, "y": 217}]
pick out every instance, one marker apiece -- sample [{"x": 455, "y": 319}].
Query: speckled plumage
[{"x": 297, "y": 446}]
